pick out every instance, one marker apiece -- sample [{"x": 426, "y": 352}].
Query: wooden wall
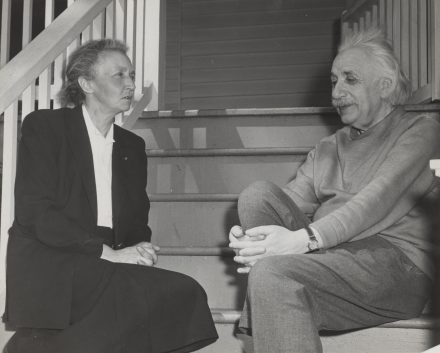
[{"x": 250, "y": 53}]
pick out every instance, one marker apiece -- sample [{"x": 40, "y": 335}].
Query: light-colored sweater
[{"x": 356, "y": 186}]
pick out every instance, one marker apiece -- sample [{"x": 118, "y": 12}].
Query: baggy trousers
[{"x": 291, "y": 298}]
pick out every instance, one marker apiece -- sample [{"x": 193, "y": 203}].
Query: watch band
[{"x": 313, "y": 242}]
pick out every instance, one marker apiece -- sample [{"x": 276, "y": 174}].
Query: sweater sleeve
[
  {"x": 301, "y": 189},
  {"x": 400, "y": 181}
]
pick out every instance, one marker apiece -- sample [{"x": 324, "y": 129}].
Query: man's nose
[{"x": 337, "y": 91}]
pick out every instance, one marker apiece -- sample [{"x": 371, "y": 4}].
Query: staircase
[{"x": 198, "y": 162}]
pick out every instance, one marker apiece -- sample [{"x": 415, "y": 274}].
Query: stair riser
[
  {"x": 235, "y": 132},
  {"x": 222, "y": 174},
  {"x": 201, "y": 224}
]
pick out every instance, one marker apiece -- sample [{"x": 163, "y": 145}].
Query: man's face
[
  {"x": 112, "y": 83},
  {"x": 356, "y": 93}
]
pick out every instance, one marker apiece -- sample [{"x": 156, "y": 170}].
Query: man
[
  {"x": 80, "y": 275},
  {"x": 363, "y": 257}
]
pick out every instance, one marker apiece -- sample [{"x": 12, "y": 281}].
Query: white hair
[{"x": 374, "y": 43}]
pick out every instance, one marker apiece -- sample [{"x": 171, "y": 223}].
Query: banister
[{"x": 43, "y": 50}]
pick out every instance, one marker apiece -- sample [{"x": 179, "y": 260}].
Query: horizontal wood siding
[{"x": 250, "y": 53}]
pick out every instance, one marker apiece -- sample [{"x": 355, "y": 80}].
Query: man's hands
[
  {"x": 141, "y": 254},
  {"x": 263, "y": 241}
]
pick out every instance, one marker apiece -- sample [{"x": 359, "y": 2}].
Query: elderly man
[{"x": 362, "y": 259}]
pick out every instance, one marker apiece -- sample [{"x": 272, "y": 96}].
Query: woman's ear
[
  {"x": 85, "y": 84},
  {"x": 386, "y": 86}
]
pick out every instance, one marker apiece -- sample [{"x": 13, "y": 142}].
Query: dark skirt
[{"x": 123, "y": 308}]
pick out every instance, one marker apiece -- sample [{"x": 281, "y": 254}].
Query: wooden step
[
  {"x": 201, "y": 220},
  {"x": 404, "y": 336},
  {"x": 236, "y": 128},
  {"x": 219, "y": 171}
]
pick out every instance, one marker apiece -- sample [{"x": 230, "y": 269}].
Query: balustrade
[{"x": 413, "y": 28}]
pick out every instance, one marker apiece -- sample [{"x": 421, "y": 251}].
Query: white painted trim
[{"x": 152, "y": 49}]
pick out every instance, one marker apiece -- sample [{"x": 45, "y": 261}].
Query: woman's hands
[
  {"x": 263, "y": 241},
  {"x": 141, "y": 254}
]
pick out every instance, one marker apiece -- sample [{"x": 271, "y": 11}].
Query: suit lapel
[
  {"x": 82, "y": 150},
  {"x": 118, "y": 186}
]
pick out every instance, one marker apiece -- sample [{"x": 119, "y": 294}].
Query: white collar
[{"x": 92, "y": 129}]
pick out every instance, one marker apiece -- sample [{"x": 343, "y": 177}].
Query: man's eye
[{"x": 351, "y": 80}]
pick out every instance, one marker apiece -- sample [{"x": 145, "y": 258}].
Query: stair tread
[
  {"x": 236, "y": 112},
  {"x": 424, "y": 321}
]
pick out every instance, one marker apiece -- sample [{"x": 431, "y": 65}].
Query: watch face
[{"x": 313, "y": 245}]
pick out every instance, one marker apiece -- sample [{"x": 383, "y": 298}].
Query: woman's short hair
[
  {"x": 374, "y": 43},
  {"x": 80, "y": 63}
]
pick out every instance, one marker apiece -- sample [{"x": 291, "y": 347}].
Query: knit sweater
[{"x": 356, "y": 185}]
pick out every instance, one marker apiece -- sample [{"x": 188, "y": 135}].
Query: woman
[{"x": 80, "y": 275}]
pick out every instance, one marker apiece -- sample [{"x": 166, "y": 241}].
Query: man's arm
[{"x": 399, "y": 183}]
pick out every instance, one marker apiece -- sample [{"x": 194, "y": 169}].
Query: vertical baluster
[
  {"x": 8, "y": 177},
  {"x": 367, "y": 19},
  {"x": 98, "y": 27},
  {"x": 389, "y": 20},
  {"x": 435, "y": 49},
  {"x": 423, "y": 42},
  {"x": 120, "y": 14},
  {"x": 45, "y": 77},
  {"x": 77, "y": 41},
  {"x": 87, "y": 34},
  {"x": 414, "y": 50},
  {"x": 404, "y": 36},
  {"x": 345, "y": 29},
  {"x": 131, "y": 25},
  {"x": 382, "y": 16},
  {"x": 139, "y": 53},
  {"x": 152, "y": 50},
  {"x": 5, "y": 32},
  {"x": 361, "y": 23},
  {"x": 28, "y": 95},
  {"x": 396, "y": 28},
  {"x": 355, "y": 27},
  {"x": 110, "y": 20},
  {"x": 375, "y": 16},
  {"x": 58, "y": 78}
]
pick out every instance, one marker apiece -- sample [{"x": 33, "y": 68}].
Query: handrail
[{"x": 45, "y": 48}]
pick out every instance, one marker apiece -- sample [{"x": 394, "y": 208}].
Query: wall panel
[{"x": 250, "y": 53}]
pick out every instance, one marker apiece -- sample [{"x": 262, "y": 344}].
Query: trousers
[{"x": 292, "y": 298}]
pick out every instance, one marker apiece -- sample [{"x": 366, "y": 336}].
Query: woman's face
[{"x": 112, "y": 86}]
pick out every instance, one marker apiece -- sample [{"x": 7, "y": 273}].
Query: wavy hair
[
  {"x": 374, "y": 43},
  {"x": 81, "y": 63}
]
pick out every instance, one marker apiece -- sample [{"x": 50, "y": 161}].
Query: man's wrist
[{"x": 313, "y": 243}]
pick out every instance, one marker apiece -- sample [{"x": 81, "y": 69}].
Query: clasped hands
[
  {"x": 143, "y": 253},
  {"x": 259, "y": 242}
]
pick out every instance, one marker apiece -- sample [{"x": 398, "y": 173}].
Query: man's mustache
[{"x": 341, "y": 102}]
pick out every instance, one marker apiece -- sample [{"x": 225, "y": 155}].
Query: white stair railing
[{"x": 413, "y": 27}]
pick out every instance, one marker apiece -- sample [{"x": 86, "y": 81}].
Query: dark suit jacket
[{"x": 56, "y": 212}]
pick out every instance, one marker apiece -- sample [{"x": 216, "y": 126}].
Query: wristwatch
[{"x": 312, "y": 245}]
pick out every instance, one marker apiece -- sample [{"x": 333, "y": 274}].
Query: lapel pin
[{"x": 125, "y": 158}]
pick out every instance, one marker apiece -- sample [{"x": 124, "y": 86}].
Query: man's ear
[
  {"x": 386, "y": 86},
  {"x": 85, "y": 84}
]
